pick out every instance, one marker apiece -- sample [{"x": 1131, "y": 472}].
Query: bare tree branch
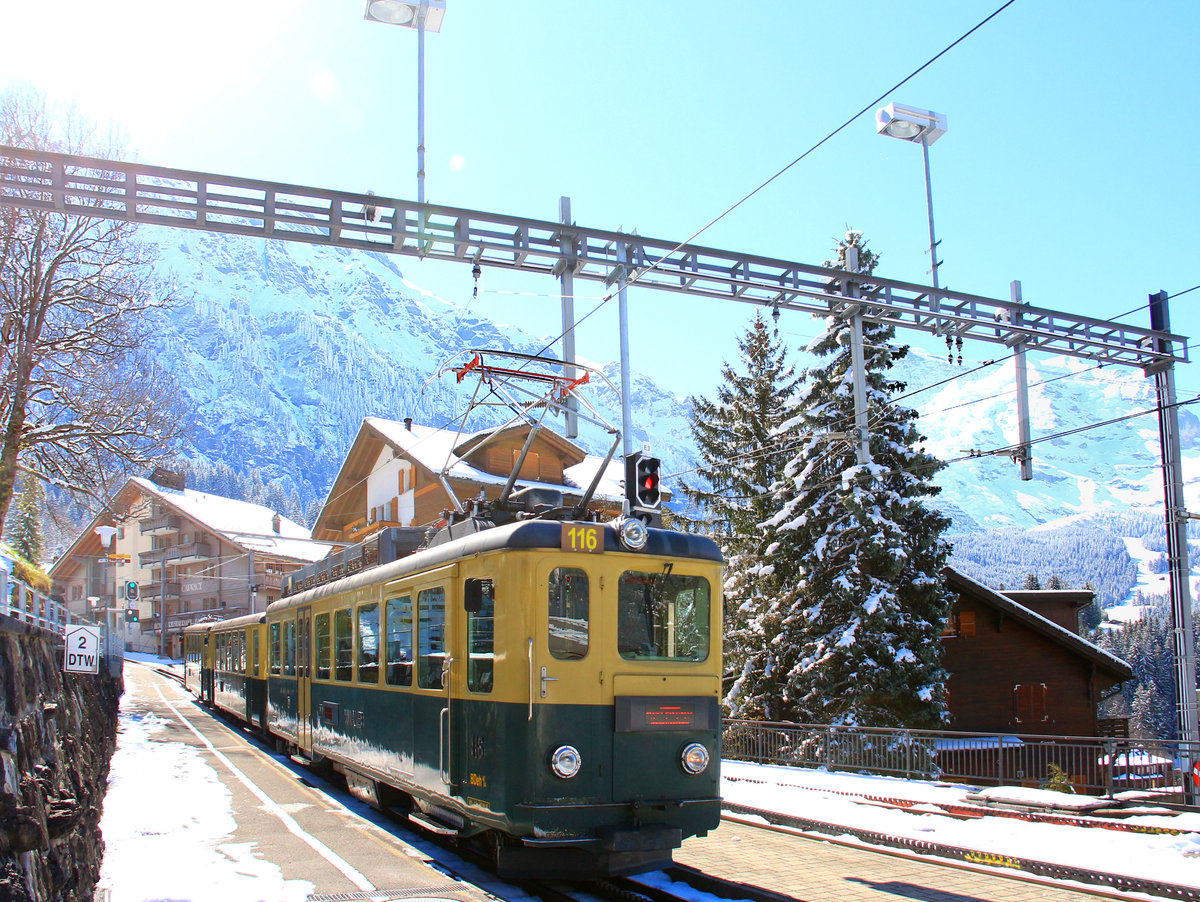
[{"x": 80, "y": 402}]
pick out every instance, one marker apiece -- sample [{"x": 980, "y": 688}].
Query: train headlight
[
  {"x": 566, "y": 761},
  {"x": 633, "y": 533},
  {"x": 694, "y": 758}
]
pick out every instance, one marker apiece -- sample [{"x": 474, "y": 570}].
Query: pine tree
[
  {"x": 743, "y": 449},
  {"x": 25, "y": 532},
  {"x": 1031, "y": 582},
  {"x": 855, "y": 634},
  {"x": 1145, "y": 713}
]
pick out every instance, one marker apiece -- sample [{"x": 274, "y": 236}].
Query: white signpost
[{"x": 82, "y": 651}]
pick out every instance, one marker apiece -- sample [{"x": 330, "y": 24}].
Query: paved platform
[
  {"x": 818, "y": 871},
  {"x": 322, "y": 849}
]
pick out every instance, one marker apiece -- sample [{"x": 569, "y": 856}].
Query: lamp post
[
  {"x": 922, "y": 127},
  {"x": 423, "y": 15},
  {"x": 106, "y": 534}
]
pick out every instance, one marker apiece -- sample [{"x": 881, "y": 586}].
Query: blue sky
[{"x": 1069, "y": 163}]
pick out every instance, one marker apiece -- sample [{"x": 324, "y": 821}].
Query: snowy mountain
[{"x": 283, "y": 348}]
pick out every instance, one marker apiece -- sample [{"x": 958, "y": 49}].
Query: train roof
[
  {"x": 244, "y": 620},
  {"x": 472, "y": 537}
]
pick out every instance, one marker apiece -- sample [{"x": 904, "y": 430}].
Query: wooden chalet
[
  {"x": 1017, "y": 663},
  {"x": 401, "y": 474}
]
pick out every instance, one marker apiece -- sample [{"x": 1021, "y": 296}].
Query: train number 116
[{"x": 587, "y": 537}]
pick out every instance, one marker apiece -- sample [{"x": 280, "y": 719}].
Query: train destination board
[{"x": 641, "y": 713}]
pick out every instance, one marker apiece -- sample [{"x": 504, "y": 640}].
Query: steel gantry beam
[{"x": 135, "y": 192}]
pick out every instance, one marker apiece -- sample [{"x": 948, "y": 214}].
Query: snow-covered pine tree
[
  {"x": 25, "y": 530},
  {"x": 858, "y": 630},
  {"x": 743, "y": 448}
]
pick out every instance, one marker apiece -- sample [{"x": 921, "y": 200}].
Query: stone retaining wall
[{"x": 57, "y": 734}]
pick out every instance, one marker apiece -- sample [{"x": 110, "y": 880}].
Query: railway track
[{"x": 969, "y": 811}]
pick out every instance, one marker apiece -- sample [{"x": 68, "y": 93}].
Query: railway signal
[{"x": 642, "y": 487}]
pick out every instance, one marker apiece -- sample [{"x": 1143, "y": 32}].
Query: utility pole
[
  {"x": 1024, "y": 446},
  {"x": 1177, "y": 547},
  {"x": 566, "y": 277},
  {"x": 859, "y": 366}
]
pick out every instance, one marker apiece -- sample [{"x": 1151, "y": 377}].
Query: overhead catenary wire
[
  {"x": 640, "y": 272},
  {"x": 994, "y": 452}
]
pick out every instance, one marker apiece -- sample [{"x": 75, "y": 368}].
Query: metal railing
[
  {"x": 26, "y": 604},
  {"x": 1094, "y": 766}
]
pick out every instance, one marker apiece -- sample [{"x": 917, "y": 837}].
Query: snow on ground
[
  {"x": 184, "y": 851},
  {"x": 1163, "y": 857}
]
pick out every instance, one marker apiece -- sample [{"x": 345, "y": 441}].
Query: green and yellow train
[{"x": 547, "y": 689}]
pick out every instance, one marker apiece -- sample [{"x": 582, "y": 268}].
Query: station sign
[{"x": 81, "y": 653}]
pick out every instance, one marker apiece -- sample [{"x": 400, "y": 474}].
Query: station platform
[{"x": 818, "y": 870}]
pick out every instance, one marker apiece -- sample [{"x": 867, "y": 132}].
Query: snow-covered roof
[
  {"x": 960, "y": 582},
  {"x": 433, "y": 448},
  {"x": 247, "y": 525}
]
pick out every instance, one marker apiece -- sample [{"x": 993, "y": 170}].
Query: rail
[{"x": 1088, "y": 765}]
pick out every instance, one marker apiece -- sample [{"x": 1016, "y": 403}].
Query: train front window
[
  {"x": 568, "y": 637},
  {"x": 481, "y": 641},
  {"x": 431, "y": 629},
  {"x": 321, "y": 629},
  {"x": 368, "y": 643},
  {"x": 399, "y": 641},
  {"x": 662, "y": 617}
]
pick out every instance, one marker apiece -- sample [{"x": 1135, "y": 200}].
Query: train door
[
  {"x": 472, "y": 724},
  {"x": 304, "y": 678}
]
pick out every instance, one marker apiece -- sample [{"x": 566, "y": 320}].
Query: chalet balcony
[
  {"x": 156, "y": 590},
  {"x": 160, "y": 525},
  {"x": 266, "y": 581},
  {"x": 176, "y": 554}
]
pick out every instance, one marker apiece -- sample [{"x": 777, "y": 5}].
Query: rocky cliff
[{"x": 57, "y": 734}]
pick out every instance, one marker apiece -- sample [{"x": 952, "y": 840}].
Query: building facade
[{"x": 162, "y": 557}]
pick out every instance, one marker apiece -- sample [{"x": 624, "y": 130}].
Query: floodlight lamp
[
  {"x": 425, "y": 14},
  {"x": 910, "y": 123}
]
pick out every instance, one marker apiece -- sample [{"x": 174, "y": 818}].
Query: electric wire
[
  {"x": 642, "y": 271},
  {"x": 935, "y": 464}
]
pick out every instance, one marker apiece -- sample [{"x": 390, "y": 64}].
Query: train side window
[
  {"x": 273, "y": 651},
  {"x": 399, "y": 641},
  {"x": 289, "y": 648},
  {"x": 568, "y": 637},
  {"x": 321, "y": 632},
  {"x": 662, "y": 617},
  {"x": 256, "y": 659},
  {"x": 343, "y": 645},
  {"x": 481, "y": 636},
  {"x": 431, "y": 635},
  {"x": 368, "y": 643}
]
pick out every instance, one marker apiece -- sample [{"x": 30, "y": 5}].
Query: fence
[
  {"x": 1096, "y": 766},
  {"x": 26, "y": 604}
]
